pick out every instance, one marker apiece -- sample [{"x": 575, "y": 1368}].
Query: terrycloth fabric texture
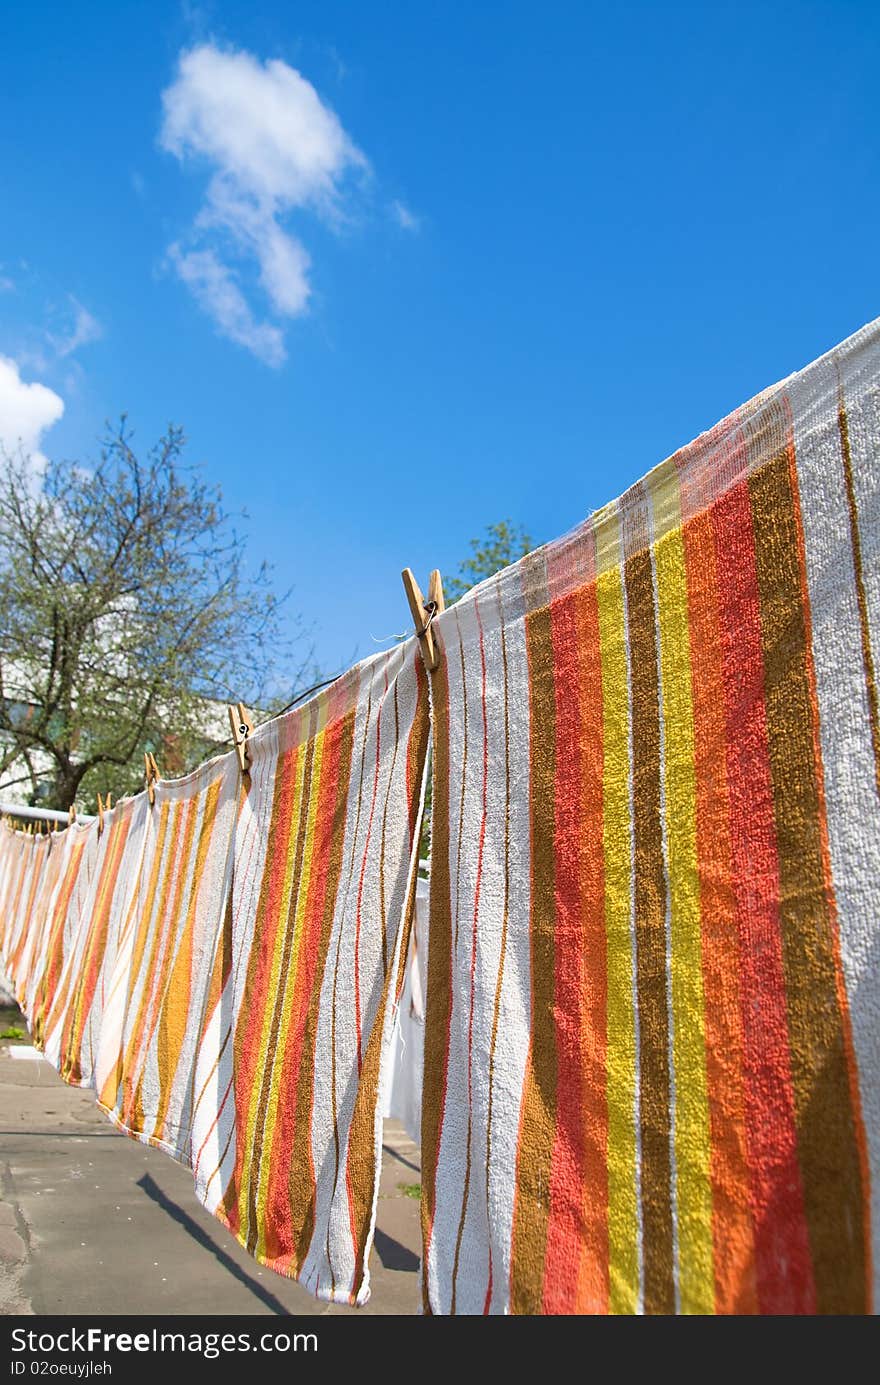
[
  {"x": 184, "y": 884},
  {"x": 74, "y": 1025},
  {"x": 287, "y": 1122},
  {"x": 43, "y": 883},
  {"x": 41, "y": 863},
  {"x": 22, "y": 861},
  {"x": 55, "y": 870},
  {"x": 225, "y": 965},
  {"x": 65, "y": 920},
  {"x": 652, "y": 1066},
  {"x": 122, "y": 927}
]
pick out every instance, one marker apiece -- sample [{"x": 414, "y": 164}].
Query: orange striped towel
[
  {"x": 652, "y": 1063},
  {"x": 22, "y": 861},
  {"x": 39, "y": 862},
  {"x": 287, "y": 1115},
  {"x": 251, "y": 1002},
  {"x": 41, "y": 921},
  {"x": 65, "y": 918},
  {"x": 76, "y": 1020},
  {"x": 167, "y": 965}
]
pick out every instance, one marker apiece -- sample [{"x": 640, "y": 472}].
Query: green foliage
[
  {"x": 128, "y": 617},
  {"x": 502, "y": 544}
]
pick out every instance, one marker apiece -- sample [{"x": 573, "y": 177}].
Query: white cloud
[
  {"x": 282, "y": 259},
  {"x": 26, "y": 412},
  {"x": 214, "y": 288},
  {"x": 273, "y": 147},
  {"x": 264, "y": 126},
  {"x": 85, "y": 329},
  {"x": 404, "y": 217}
]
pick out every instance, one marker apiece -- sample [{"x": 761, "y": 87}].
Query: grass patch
[
  {"x": 13, "y": 1032},
  {"x": 413, "y": 1190}
]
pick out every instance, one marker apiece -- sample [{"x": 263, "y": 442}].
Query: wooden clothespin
[
  {"x": 108, "y": 803},
  {"x": 100, "y": 816},
  {"x": 71, "y": 815},
  {"x": 242, "y": 726},
  {"x": 424, "y": 612},
  {"x": 151, "y": 775}
]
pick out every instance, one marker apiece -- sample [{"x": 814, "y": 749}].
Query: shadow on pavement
[
  {"x": 395, "y": 1154},
  {"x": 152, "y": 1190},
  {"x": 393, "y": 1255}
]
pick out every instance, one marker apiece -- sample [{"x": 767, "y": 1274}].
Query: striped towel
[
  {"x": 16, "y": 858},
  {"x": 652, "y": 1068},
  {"x": 75, "y": 1023},
  {"x": 183, "y": 889},
  {"x": 287, "y": 1130},
  {"x": 39, "y": 862},
  {"x": 225, "y": 965},
  {"x": 64, "y": 921},
  {"x": 53, "y": 871},
  {"x": 43, "y": 883},
  {"x": 121, "y": 928}
]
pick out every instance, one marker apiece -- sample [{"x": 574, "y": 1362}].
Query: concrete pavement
[{"x": 92, "y": 1222}]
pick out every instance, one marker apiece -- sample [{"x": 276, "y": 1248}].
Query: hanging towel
[
  {"x": 75, "y": 1023},
  {"x": 107, "y": 1028},
  {"x": 652, "y": 1056},
  {"x": 22, "y": 865},
  {"x": 65, "y": 919},
  {"x": 287, "y": 1126},
  {"x": 183, "y": 891},
  {"x": 41, "y": 862},
  {"x": 53, "y": 872}
]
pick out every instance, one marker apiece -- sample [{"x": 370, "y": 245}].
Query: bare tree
[{"x": 128, "y": 612}]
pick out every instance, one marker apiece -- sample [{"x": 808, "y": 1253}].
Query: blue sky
[{"x": 401, "y": 271}]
